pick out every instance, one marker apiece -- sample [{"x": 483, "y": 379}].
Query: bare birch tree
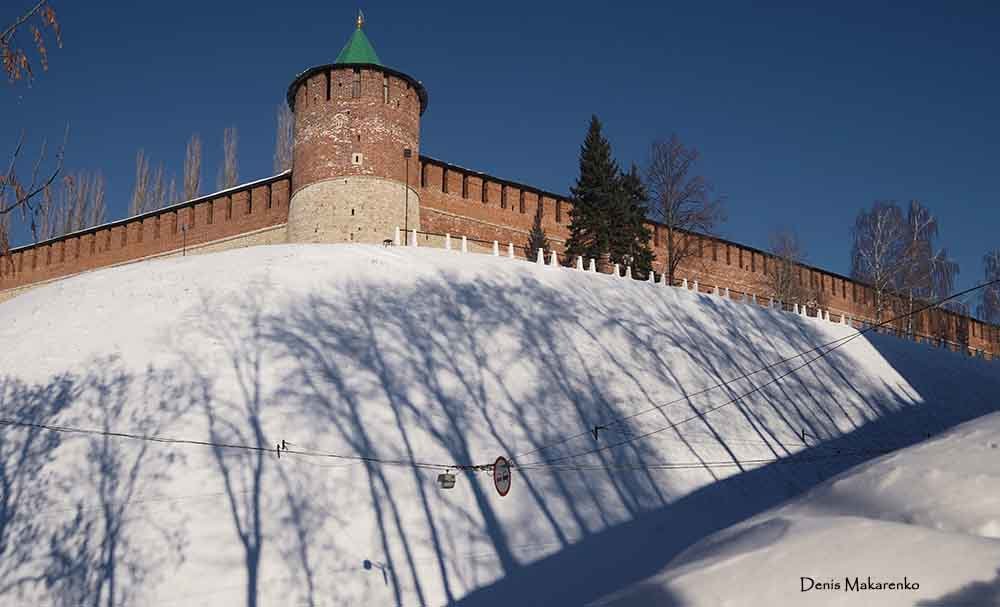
[
  {"x": 192, "y": 168},
  {"x": 229, "y": 171},
  {"x": 140, "y": 193},
  {"x": 681, "y": 200},
  {"x": 154, "y": 189},
  {"x": 28, "y": 195},
  {"x": 163, "y": 189},
  {"x": 784, "y": 271},
  {"x": 78, "y": 205},
  {"x": 989, "y": 306},
  {"x": 879, "y": 252},
  {"x": 928, "y": 273},
  {"x": 283, "y": 140}
]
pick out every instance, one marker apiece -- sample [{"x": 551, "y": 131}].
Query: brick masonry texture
[
  {"x": 351, "y": 209},
  {"x": 453, "y": 202},
  {"x": 331, "y": 126},
  {"x": 352, "y": 125},
  {"x": 212, "y": 219}
]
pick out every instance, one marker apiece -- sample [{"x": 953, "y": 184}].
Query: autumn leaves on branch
[{"x": 24, "y": 190}]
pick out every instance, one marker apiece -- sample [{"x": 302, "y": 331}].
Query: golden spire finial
[{"x": 361, "y": 18}]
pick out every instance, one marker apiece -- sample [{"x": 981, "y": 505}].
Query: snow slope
[
  {"x": 927, "y": 516},
  {"x": 429, "y": 356}
]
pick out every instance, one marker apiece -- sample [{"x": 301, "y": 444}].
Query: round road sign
[{"x": 501, "y": 475}]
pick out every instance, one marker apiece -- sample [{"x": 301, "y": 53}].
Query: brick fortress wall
[
  {"x": 469, "y": 203},
  {"x": 453, "y": 200},
  {"x": 352, "y": 123},
  {"x": 246, "y": 215}
]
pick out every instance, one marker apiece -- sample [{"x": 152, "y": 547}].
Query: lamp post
[
  {"x": 184, "y": 234},
  {"x": 407, "y": 152}
]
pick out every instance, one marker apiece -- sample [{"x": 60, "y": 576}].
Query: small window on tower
[
  {"x": 356, "y": 159},
  {"x": 356, "y": 86},
  {"x": 385, "y": 89}
]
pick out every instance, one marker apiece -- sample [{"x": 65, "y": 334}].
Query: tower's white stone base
[{"x": 351, "y": 209}]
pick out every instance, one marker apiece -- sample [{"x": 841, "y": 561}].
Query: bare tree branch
[
  {"x": 140, "y": 193},
  {"x": 229, "y": 171},
  {"x": 192, "y": 168},
  {"x": 784, "y": 272},
  {"x": 79, "y": 205},
  {"x": 681, "y": 200},
  {"x": 879, "y": 253},
  {"x": 27, "y": 197},
  {"x": 14, "y": 58},
  {"x": 17, "y": 193},
  {"x": 283, "y": 140},
  {"x": 989, "y": 308},
  {"x": 926, "y": 274}
]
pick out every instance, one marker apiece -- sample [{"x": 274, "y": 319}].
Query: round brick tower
[{"x": 355, "y": 171}]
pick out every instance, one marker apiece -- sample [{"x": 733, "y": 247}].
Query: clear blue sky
[{"x": 803, "y": 114}]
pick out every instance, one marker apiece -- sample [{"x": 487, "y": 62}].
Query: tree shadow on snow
[
  {"x": 974, "y": 594},
  {"x": 74, "y": 525},
  {"x": 415, "y": 372},
  {"x": 449, "y": 372}
]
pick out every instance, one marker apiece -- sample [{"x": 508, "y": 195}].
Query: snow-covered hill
[
  {"x": 918, "y": 527},
  {"x": 437, "y": 357}
]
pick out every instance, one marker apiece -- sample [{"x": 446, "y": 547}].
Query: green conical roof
[{"x": 358, "y": 49}]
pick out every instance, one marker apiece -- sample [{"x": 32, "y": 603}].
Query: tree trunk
[
  {"x": 111, "y": 574},
  {"x": 253, "y": 564},
  {"x": 670, "y": 255}
]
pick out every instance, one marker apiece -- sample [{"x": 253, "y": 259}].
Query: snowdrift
[
  {"x": 415, "y": 358},
  {"x": 918, "y": 527}
]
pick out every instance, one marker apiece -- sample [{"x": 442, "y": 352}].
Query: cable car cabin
[{"x": 446, "y": 480}]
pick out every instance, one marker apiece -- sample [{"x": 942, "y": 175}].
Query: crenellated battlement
[{"x": 358, "y": 175}]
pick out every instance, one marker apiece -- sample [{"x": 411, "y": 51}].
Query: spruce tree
[
  {"x": 537, "y": 239},
  {"x": 593, "y": 197},
  {"x": 630, "y": 237}
]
